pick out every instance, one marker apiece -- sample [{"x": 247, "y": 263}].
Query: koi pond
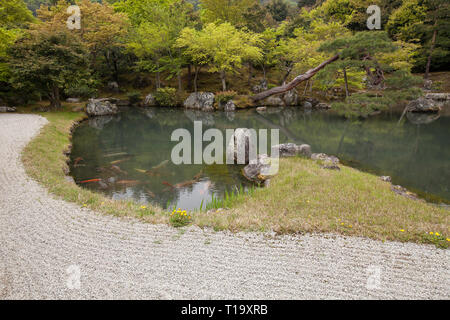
[{"x": 128, "y": 156}]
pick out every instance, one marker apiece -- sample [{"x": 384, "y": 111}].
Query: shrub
[
  {"x": 82, "y": 91},
  {"x": 166, "y": 97},
  {"x": 224, "y": 96},
  {"x": 134, "y": 97}
]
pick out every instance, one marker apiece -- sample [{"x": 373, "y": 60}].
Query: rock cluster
[
  {"x": 203, "y": 101},
  {"x": 101, "y": 107}
]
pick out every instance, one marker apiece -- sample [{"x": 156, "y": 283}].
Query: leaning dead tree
[{"x": 291, "y": 85}]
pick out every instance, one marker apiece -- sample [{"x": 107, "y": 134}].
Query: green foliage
[
  {"x": 222, "y": 46},
  {"x": 13, "y": 16},
  {"x": 164, "y": 20},
  {"x": 415, "y": 21},
  {"x": 48, "y": 61},
  {"x": 225, "y": 96},
  {"x": 166, "y": 97},
  {"x": 231, "y": 11},
  {"x": 134, "y": 97},
  {"x": 229, "y": 199},
  {"x": 14, "y": 13},
  {"x": 279, "y": 9},
  {"x": 84, "y": 91}
]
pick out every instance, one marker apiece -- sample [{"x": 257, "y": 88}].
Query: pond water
[{"x": 130, "y": 153}]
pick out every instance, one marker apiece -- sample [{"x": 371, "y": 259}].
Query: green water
[{"x": 131, "y": 152}]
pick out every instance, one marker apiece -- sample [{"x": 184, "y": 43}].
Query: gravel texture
[{"x": 44, "y": 242}]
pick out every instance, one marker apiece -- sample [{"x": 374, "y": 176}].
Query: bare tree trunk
[
  {"x": 347, "y": 94},
  {"x": 297, "y": 80},
  {"x": 223, "y": 79},
  {"x": 433, "y": 43},
  {"x": 306, "y": 87},
  {"x": 180, "y": 85},
  {"x": 197, "y": 70},
  {"x": 189, "y": 84},
  {"x": 286, "y": 75},
  {"x": 55, "y": 102}
]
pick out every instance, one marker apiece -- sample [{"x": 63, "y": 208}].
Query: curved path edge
[{"x": 51, "y": 249}]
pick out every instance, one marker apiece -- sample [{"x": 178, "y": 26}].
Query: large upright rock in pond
[
  {"x": 203, "y": 101},
  {"x": 243, "y": 146},
  {"x": 423, "y": 105},
  {"x": 261, "y": 170},
  {"x": 100, "y": 107},
  {"x": 292, "y": 150}
]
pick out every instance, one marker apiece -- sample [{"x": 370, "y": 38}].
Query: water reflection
[{"x": 130, "y": 152}]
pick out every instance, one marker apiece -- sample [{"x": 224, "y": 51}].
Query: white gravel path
[{"x": 42, "y": 237}]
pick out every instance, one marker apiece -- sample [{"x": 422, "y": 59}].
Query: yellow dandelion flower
[
  {"x": 448, "y": 239},
  {"x": 437, "y": 234},
  {"x": 431, "y": 233},
  {"x": 402, "y": 230}
]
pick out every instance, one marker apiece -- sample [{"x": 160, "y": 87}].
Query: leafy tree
[
  {"x": 164, "y": 20},
  {"x": 14, "y": 15},
  {"x": 102, "y": 30},
  {"x": 366, "y": 51},
  {"x": 424, "y": 22},
  {"x": 270, "y": 48},
  {"x": 48, "y": 60},
  {"x": 232, "y": 11},
  {"x": 279, "y": 9},
  {"x": 257, "y": 18},
  {"x": 300, "y": 52},
  {"x": 222, "y": 46},
  {"x": 305, "y": 3}
]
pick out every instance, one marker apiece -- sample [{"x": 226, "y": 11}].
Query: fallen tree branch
[{"x": 289, "y": 86}]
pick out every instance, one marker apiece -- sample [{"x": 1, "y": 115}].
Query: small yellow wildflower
[
  {"x": 437, "y": 234},
  {"x": 342, "y": 224},
  {"x": 350, "y": 226},
  {"x": 402, "y": 230},
  {"x": 448, "y": 239},
  {"x": 431, "y": 233},
  {"x": 143, "y": 207}
]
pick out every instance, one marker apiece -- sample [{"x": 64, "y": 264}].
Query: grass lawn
[{"x": 302, "y": 198}]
